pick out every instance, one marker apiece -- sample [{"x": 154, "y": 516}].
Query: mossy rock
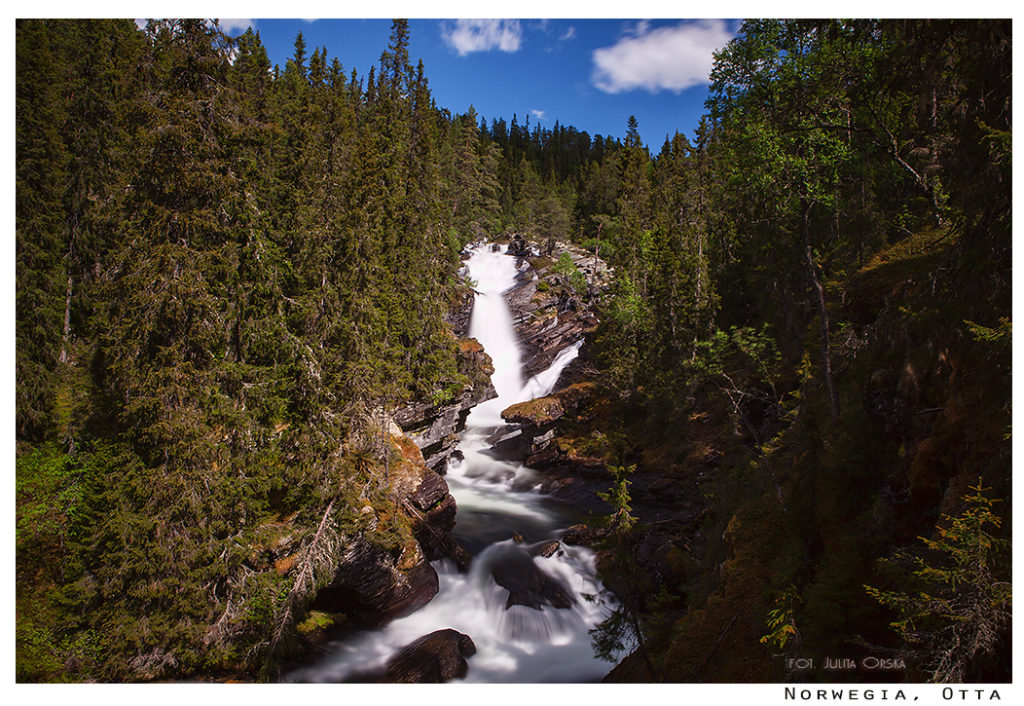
[
  {"x": 545, "y": 410},
  {"x": 316, "y": 621}
]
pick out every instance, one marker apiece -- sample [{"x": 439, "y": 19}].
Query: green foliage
[
  {"x": 226, "y": 276},
  {"x": 565, "y": 267},
  {"x": 1000, "y": 335},
  {"x": 739, "y": 347},
  {"x": 620, "y": 521},
  {"x": 223, "y": 276},
  {"x": 607, "y": 249},
  {"x": 44, "y": 654},
  {"x": 624, "y": 336},
  {"x": 612, "y": 636},
  {"x": 782, "y": 634},
  {"x": 961, "y": 599},
  {"x": 49, "y": 490}
]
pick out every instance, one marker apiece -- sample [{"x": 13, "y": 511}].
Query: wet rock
[
  {"x": 372, "y": 588},
  {"x": 432, "y": 659},
  {"x": 527, "y": 585},
  {"x": 547, "y": 313},
  {"x": 518, "y": 246},
  {"x": 431, "y": 492},
  {"x": 433, "y": 510},
  {"x": 548, "y": 550},
  {"x": 581, "y": 535},
  {"x": 534, "y": 423},
  {"x": 434, "y": 428},
  {"x": 541, "y": 441},
  {"x": 510, "y": 445},
  {"x": 457, "y": 553},
  {"x": 460, "y": 312},
  {"x": 541, "y": 411},
  {"x": 434, "y": 528}
]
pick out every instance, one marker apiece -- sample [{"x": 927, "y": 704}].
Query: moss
[
  {"x": 545, "y": 410},
  {"x": 537, "y": 412},
  {"x": 316, "y": 620}
]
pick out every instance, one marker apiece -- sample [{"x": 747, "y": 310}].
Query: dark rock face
[
  {"x": 535, "y": 419},
  {"x": 433, "y": 659},
  {"x": 372, "y": 589},
  {"x": 544, "y": 331},
  {"x": 518, "y": 247},
  {"x": 548, "y": 314},
  {"x": 434, "y": 426},
  {"x": 527, "y": 585},
  {"x": 460, "y": 312},
  {"x": 581, "y": 535},
  {"x": 434, "y": 536},
  {"x": 437, "y": 510}
]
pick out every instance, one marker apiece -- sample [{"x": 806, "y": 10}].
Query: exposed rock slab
[
  {"x": 549, "y": 314},
  {"x": 432, "y": 659},
  {"x": 527, "y": 585},
  {"x": 429, "y": 504},
  {"x": 434, "y": 425},
  {"x": 371, "y": 588}
]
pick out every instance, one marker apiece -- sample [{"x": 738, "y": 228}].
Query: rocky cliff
[
  {"x": 553, "y": 303},
  {"x": 433, "y": 424}
]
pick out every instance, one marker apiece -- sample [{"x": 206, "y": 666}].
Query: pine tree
[
  {"x": 41, "y": 241},
  {"x": 961, "y": 606}
]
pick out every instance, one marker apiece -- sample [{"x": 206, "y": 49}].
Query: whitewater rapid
[{"x": 497, "y": 499}]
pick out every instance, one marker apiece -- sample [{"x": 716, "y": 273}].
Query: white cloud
[
  {"x": 569, "y": 34},
  {"x": 539, "y": 114},
  {"x": 666, "y": 58},
  {"x": 639, "y": 29},
  {"x": 483, "y": 35},
  {"x": 231, "y": 26}
]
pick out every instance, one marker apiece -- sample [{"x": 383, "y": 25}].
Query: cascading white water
[{"x": 497, "y": 498}]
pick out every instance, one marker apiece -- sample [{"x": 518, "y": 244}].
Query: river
[{"x": 497, "y": 499}]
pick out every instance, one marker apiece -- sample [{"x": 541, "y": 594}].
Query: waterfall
[{"x": 497, "y": 498}]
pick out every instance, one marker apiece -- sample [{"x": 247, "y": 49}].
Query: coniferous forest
[{"x": 236, "y": 282}]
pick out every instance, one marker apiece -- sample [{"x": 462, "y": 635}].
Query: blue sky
[{"x": 589, "y": 73}]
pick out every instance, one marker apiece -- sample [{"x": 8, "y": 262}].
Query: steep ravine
[{"x": 422, "y": 590}]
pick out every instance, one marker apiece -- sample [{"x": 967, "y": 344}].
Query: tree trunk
[
  {"x": 65, "y": 343},
  {"x": 819, "y": 301}
]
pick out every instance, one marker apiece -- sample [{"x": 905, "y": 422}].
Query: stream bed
[{"x": 541, "y": 634}]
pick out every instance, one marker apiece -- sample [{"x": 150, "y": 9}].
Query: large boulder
[
  {"x": 527, "y": 585},
  {"x": 543, "y": 411},
  {"x": 372, "y": 588},
  {"x": 432, "y": 659}
]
